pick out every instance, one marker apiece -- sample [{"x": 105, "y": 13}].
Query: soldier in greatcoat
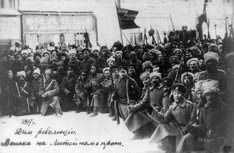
[
  {"x": 35, "y": 87},
  {"x": 126, "y": 92},
  {"x": 208, "y": 130},
  {"x": 21, "y": 93},
  {"x": 173, "y": 123},
  {"x": 48, "y": 93}
]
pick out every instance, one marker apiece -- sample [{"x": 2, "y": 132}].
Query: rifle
[
  {"x": 208, "y": 25},
  {"x": 226, "y": 26},
  {"x": 173, "y": 27},
  {"x": 116, "y": 108},
  {"x": 158, "y": 36},
  {"x": 172, "y": 24},
  {"x": 180, "y": 66},
  {"x": 182, "y": 131},
  {"x": 145, "y": 38}
]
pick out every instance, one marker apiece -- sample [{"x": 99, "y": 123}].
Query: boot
[
  {"x": 87, "y": 110},
  {"x": 95, "y": 112},
  {"x": 58, "y": 112},
  {"x": 111, "y": 112}
]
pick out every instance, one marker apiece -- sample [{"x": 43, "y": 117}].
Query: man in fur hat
[
  {"x": 21, "y": 94},
  {"x": 119, "y": 60},
  {"x": 87, "y": 60},
  {"x": 153, "y": 97},
  {"x": 81, "y": 95},
  {"x": 212, "y": 71},
  {"x": 193, "y": 65},
  {"x": 208, "y": 128},
  {"x": 48, "y": 93},
  {"x": 139, "y": 121},
  {"x": 110, "y": 61},
  {"x": 35, "y": 87},
  {"x": 147, "y": 66}
]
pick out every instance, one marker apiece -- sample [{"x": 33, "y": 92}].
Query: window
[
  {"x": 7, "y": 4},
  {"x": 11, "y": 3},
  {"x": 1, "y": 3}
]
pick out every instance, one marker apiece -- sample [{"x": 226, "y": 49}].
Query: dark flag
[{"x": 126, "y": 18}]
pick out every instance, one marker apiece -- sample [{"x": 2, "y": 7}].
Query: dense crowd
[{"x": 178, "y": 92}]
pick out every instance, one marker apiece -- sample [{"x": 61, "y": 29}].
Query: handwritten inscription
[
  {"x": 28, "y": 122},
  {"x": 9, "y": 142},
  {"x": 48, "y": 131}
]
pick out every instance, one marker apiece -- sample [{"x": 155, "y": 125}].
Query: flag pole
[{"x": 121, "y": 37}]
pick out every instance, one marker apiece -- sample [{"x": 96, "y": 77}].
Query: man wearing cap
[
  {"x": 212, "y": 71},
  {"x": 119, "y": 60},
  {"x": 154, "y": 94},
  {"x": 17, "y": 64},
  {"x": 87, "y": 60},
  {"x": 35, "y": 87},
  {"x": 126, "y": 92},
  {"x": 95, "y": 93},
  {"x": 139, "y": 121},
  {"x": 172, "y": 124},
  {"x": 48, "y": 93},
  {"x": 187, "y": 81},
  {"x": 67, "y": 88},
  {"x": 113, "y": 102},
  {"x": 81, "y": 96},
  {"x": 22, "y": 94},
  {"x": 74, "y": 62},
  {"x": 153, "y": 97},
  {"x": 107, "y": 90},
  {"x": 132, "y": 73}
]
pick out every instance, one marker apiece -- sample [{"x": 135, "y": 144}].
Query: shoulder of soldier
[
  {"x": 200, "y": 75},
  {"x": 54, "y": 81},
  {"x": 189, "y": 102},
  {"x": 132, "y": 80},
  {"x": 222, "y": 71}
]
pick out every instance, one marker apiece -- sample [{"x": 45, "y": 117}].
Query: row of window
[{"x": 9, "y": 4}]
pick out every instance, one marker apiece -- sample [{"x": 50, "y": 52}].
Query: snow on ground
[{"x": 85, "y": 130}]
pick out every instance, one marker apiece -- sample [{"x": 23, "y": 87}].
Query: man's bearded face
[
  {"x": 211, "y": 65},
  {"x": 146, "y": 81},
  {"x": 193, "y": 66},
  {"x": 155, "y": 81}
]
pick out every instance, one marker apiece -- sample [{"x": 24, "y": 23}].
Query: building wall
[{"x": 107, "y": 26}]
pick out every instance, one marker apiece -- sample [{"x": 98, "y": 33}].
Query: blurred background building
[{"x": 38, "y": 22}]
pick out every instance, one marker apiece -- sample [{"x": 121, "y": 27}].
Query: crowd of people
[{"x": 178, "y": 92}]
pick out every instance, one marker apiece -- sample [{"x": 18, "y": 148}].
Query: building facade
[
  {"x": 39, "y": 22},
  {"x": 10, "y": 27}
]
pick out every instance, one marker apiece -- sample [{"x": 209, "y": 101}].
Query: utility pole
[{"x": 118, "y": 3}]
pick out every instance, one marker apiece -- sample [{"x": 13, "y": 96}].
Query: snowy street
[{"x": 71, "y": 133}]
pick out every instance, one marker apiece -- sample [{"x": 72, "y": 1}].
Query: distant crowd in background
[{"x": 179, "y": 92}]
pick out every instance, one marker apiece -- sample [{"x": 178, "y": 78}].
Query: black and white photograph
[{"x": 116, "y": 76}]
